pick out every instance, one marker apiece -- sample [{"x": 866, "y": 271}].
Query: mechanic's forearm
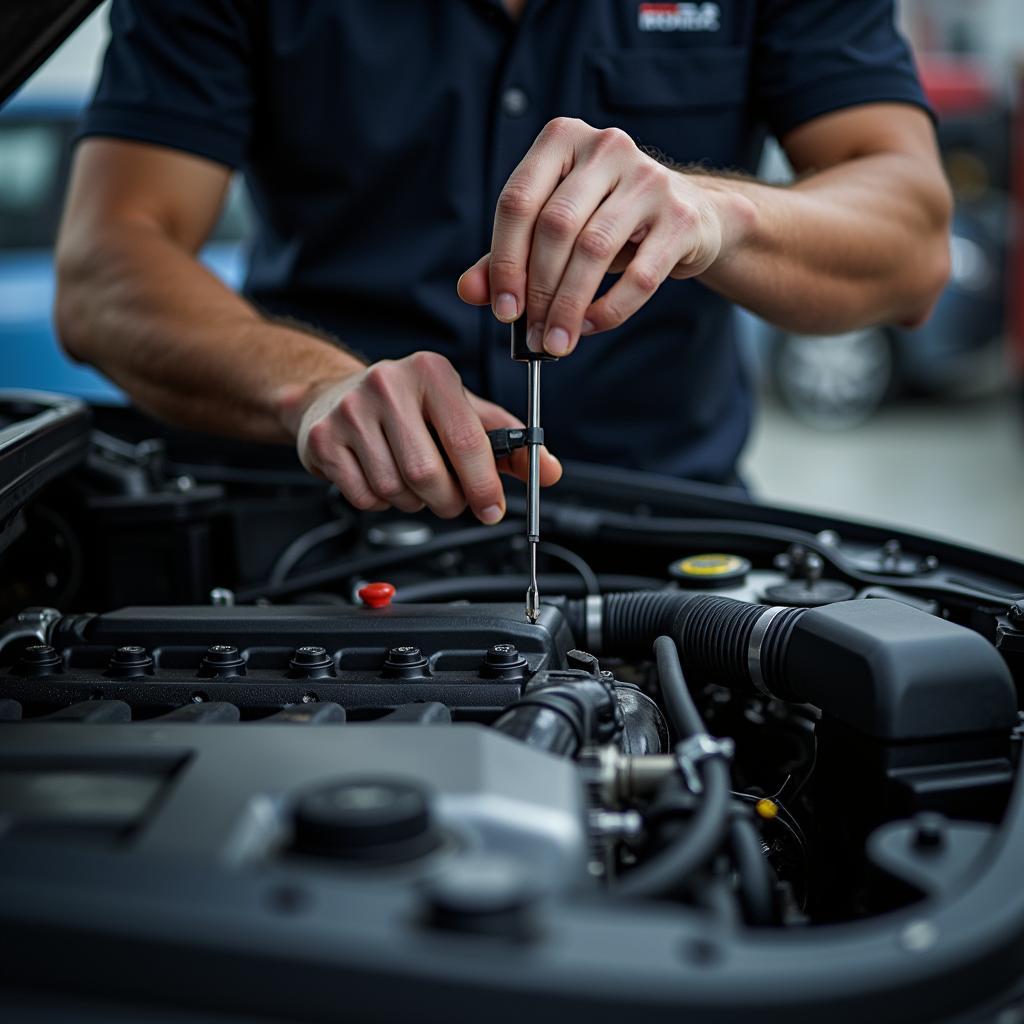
[
  {"x": 183, "y": 345},
  {"x": 860, "y": 243}
]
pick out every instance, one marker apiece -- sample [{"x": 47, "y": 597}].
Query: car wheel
[{"x": 834, "y": 382}]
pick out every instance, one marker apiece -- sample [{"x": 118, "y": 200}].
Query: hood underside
[{"x": 30, "y": 30}]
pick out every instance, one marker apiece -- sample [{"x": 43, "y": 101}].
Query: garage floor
[{"x": 954, "y": 470}]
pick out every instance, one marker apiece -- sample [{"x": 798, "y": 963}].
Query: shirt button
[{"x": 514, "y": 102}]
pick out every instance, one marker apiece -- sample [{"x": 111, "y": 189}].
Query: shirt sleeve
[
  {"x": 177, "y": 73},
  {"x": 813, "y": 57}
]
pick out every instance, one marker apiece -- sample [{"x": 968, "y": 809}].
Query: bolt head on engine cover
[{"x": 370, "y": 820}]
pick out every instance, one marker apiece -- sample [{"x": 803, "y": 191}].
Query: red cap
[{"x": 376, "y": 595}]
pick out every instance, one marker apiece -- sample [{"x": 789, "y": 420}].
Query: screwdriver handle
[{"x": 522, "y": 352}]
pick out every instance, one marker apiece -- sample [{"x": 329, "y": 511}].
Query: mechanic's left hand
[{"x": 584, "y": 202}]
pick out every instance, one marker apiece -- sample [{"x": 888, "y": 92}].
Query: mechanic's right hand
[{"x": 369, "y": 434}]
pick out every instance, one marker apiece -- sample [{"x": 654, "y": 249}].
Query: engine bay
[{"x": 747, "y": 760}]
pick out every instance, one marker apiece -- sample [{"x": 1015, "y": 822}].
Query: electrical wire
[
  {"x": 589, "y": 577},
  {"x": 372, "y": 562},
  {"x": 785, "y": 820},
  {"x": 510, "y": 587},
  {"x": 804, "y": 778},
  {"x": 297, "y": 550}
]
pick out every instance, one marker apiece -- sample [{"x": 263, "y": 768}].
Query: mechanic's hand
[
  {"x": 369, "y": 434},
  {"x": 584, "y": 202}
]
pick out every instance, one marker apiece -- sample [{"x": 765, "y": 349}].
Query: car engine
[{"x": 268, "y": 757}]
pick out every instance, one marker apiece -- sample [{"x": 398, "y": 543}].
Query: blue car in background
[{"x": 35, "y": 156}]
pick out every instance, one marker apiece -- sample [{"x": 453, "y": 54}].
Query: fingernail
[
  {"x": 492, "y": 514},
  {"x": 587, "y": 328},
  {"x": 506, "y": 308},
  {"x": 557, "y": 341},
  {"x": 533, "y": 338}
]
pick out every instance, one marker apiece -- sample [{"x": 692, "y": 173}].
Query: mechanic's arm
[
  {"x": 860, "y": 238},
  {"x": 134, "y": 300}
]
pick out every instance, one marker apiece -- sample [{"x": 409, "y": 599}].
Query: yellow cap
[
  {"x": 712, "y": 569},
  {"x": 766, "y": 808}
]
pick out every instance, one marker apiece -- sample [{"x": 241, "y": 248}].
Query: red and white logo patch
[{"x": 688, "y": 17}]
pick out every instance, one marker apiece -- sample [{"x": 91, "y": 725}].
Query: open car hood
[
  {"x": 30, "y": 30},
  {"x": 229, "y": 783}
]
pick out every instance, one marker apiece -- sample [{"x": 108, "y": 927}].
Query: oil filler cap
[
  {"x": 483, "y": 894},
  {"x": 706, "y": 572},
  {"x": 376, "y": 595},
  {"x": 369, "y": 820}
]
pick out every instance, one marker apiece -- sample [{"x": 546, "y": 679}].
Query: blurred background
[{"x": 922, "y": 429}]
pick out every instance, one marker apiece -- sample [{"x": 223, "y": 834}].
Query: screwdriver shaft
[{"x": 533, "y": 489}]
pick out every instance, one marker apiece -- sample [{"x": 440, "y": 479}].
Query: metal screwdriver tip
[
  {"x": 532, "y": 593},
  {"x": 532, "y": 609}
]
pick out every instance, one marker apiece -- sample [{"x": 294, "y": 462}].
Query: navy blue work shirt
[{"x": 376, "y": 136}]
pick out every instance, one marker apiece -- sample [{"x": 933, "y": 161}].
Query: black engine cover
[{"x": 373, "y": 660}]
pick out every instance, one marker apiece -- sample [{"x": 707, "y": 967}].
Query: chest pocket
[{"x": 692, "y": 104}]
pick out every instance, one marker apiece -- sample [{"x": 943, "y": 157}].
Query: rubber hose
[
  {"x": 755, "y": 873},
  {"x": 632, "y": 620},
  {"x": 668, "y": 872},
  {"x": 713, "y": 634},
  {"x": 682, "y": 712}
]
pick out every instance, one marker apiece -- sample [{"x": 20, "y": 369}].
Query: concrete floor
[{"x": 949, "y": 469}]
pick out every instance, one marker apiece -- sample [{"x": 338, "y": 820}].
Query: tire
[{"x": 834, "y": 383}]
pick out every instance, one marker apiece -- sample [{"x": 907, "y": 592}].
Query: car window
[
  {"x": 32, "y": 167},
  {"x": 34, "y": 159},
  {"x": 236, "y": 217}
]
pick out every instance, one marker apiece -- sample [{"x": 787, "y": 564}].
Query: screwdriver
[
  {"x": 534, "y": 439},
  {"x": 506, "y": 440}
]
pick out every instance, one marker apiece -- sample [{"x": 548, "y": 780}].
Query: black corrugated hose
[{"x": 713, "y": 634}]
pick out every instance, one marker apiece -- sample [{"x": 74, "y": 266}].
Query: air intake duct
[{"x": 886, "y": 669}]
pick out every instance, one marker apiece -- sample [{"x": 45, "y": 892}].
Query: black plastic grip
[
  {"x": 505, "y": 440},
  {"x": 522, "y": 352}
]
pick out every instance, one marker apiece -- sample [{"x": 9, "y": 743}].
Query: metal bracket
[{"x": 696, "y": 749}]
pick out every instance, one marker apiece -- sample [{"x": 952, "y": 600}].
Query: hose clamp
[
  {"x": 593, "y": 621},
  {"x": 696, "y": 749},
  {"x": 757, "y": 635}
]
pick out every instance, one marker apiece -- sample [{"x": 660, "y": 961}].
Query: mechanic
[{"x": 378, "y": 139}]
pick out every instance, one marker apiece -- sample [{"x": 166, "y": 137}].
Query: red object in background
[
  {"x": 960, "y": 87},
  {"x": 376, "y": 595},
  {"x": 955, "y": 85}
]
